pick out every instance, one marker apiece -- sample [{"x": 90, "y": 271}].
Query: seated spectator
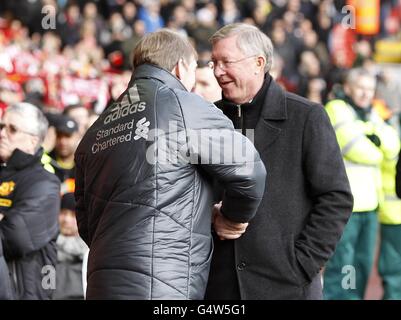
[{"x": 70, "y": 252}]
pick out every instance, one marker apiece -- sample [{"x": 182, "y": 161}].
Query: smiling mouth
[{"x": 225, "y": 84}]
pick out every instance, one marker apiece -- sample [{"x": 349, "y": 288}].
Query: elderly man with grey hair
[
  {"x": 29, "y": 204},
  {"x": 302, "y": 215}
]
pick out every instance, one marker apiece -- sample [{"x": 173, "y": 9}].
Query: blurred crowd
[
  {"x": 83, "y": 54},
  {"x": 74, "y": 66}
]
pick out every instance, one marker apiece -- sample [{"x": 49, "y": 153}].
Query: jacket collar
[
  {"x": 147, "y": 71},
  {"x": 275, "y": 103},
  {"x": 257, "y": 100},
  {"x": 20, "y": 159},
  {"x": 274, "y": 108}
]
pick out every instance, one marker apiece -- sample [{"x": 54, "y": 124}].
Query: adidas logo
[{"x": 129, "y": 104}]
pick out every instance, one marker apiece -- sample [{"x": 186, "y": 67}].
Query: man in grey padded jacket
[{"x": 143, "y": 180}]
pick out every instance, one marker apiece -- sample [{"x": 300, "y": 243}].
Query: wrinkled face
[
  {"x": 15, "y": 133},
  {"x": 239, "y": 76},
  {"x": 362, "y": 91},
  {"x": 68, "y": 223},
  {"x": 187, "y": 73},
  {"x": 206, "y": 85}
]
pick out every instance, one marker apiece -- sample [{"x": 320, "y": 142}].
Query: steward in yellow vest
[
  {"x": 390, "y": 227},
  {"x": 366, "y": 141}
]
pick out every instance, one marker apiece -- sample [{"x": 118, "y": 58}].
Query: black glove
[{"x": 375, "y": 139}]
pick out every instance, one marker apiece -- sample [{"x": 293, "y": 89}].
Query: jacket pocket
[
  {"x": 200, "y": 262},
  {"x": 199, "y": 274},
  {"x": 291, "y": 262}
]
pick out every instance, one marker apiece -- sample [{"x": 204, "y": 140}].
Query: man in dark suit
[{"x": 308, "y": 202}]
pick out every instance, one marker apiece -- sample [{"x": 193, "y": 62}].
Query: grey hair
[
  {"x": 354, "y": 74},
  {"x": 250, "y": 40},
  {"x": 37, "y": 124}
]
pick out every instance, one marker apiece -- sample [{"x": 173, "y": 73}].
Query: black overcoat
[{"x": 306, "y": 204}]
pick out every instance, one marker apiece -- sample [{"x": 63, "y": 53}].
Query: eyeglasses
[
  {"x": 13, "y": 129},
  {"x": 224, "y": 65}
]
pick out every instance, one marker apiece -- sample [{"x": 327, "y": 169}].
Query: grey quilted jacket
[{"x": 144, "y": 193}]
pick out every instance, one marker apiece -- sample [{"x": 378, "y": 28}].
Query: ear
[
  {"x": 177, "y": 71},
  {"x": 34, "y": 142},
  {"x": 261, "y": 62}
]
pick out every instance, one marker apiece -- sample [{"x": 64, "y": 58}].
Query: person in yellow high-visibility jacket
[
  {"x": 46, "y": 162},
  {"x": 365, "y": 141},
  {"x": 390, "y": 226}
]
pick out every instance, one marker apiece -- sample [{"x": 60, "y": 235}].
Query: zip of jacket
[
  {"x": 13, "y": 275},
  {"x": 241, "y": 120}
]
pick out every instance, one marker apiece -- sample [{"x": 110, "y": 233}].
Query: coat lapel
[
  {"x": 274, "y": 111},
  {"x": 265, "y": 135}
]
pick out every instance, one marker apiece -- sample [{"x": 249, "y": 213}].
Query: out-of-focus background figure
[
  {"x": 206, "y": 84},
  {"x": 5, "y": 283},
  {"x": 71, "y": 250},
  {"x": 67, "y": 139},
  {"x": 29, "y": 204},
  {"x": 367, "y": 144}
]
